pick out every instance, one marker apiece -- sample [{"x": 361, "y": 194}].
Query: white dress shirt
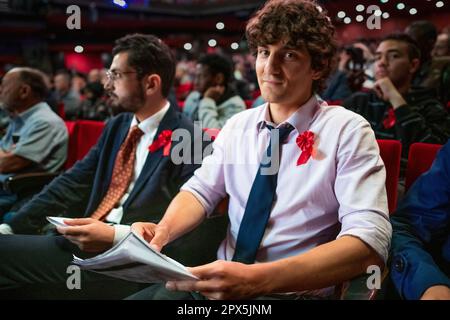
[
  {"x": 339, "y": 191},
  {"x": 149, "y": 126}
]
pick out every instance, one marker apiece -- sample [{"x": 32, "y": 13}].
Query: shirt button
[{"x": 399, "y": 265}]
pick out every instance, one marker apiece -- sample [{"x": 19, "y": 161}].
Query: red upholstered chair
[
  {"x": 213, "y": 133},
  {"x": 83, "y": 134},
  {"x": 390, "y": 152},
  {"x": 183, "y": 90},
  {"x": 334, "y": 102},
  {"x": 87, "y": 134},
  {"x": 72, "y": 151},
  {"x": 420, "y": 158}
]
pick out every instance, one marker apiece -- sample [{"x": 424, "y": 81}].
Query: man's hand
[
  {"x": 156, "y": 235},
  {"x": 214, "y": 92},
  {"x": 386, "y": 91},
  {"x": 221, "y": 280},
  {"x": 88, "y": 234},
  {"x": 436, "y": 293}
]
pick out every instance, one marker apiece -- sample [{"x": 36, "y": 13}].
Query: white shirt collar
[{"x": 151, "y": 122}]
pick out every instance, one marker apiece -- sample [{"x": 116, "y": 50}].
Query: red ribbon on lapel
[
  {"x": 305, "y": 142},
  {"x": 390, "y": 120},
  {"x": 164, "y": 140}
]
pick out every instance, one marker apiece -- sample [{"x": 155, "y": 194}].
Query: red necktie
[{"x": 122, "y": 174}]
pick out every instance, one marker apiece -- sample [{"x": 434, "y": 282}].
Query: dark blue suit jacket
[
  {"x": 79, "y": 191},
  {"x": 421, "y": 232}
]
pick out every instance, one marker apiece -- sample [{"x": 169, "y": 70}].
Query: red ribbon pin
[
  {"x": 164, "y": 140},
  {"x": 305, "y": 142}
]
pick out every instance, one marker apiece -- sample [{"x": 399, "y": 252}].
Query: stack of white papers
[
  {"x": 134, "y": 260},
  {"x": 58, "y": 221}
]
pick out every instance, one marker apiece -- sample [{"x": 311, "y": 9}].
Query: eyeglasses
[{"x": 113, "y": 75}]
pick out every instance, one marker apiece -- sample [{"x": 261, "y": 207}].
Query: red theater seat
[
  {"x": 83, "y": 134},
  {"x": 420, "y": 158},
  {"x": 390, "y": 152},
  {"x": 183, "y": 90},
  {"x": 213, "y": 133},
  {"x": 248, "y": 103}
]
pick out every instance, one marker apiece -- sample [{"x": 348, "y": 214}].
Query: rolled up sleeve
[
  {"x": 360, "y": 190},
  {"x": 208, "y": 184}
]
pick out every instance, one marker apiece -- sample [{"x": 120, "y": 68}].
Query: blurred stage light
[
  {"x": 120, "y": 3},
  {"x": 78, "y": 49}
]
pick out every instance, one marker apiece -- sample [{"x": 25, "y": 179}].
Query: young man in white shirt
[{"x": 326, "y": 218}]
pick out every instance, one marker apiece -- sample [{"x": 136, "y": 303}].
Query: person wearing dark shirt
[
  {"x": 394, "y": 109},
  {"x": 420, "y": 266}
]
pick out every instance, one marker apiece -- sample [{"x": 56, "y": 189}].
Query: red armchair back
[
  {"x": 83, "y": 134},
  {"x": 390, "y": 152},
  {"x": 420, "y": 158}
]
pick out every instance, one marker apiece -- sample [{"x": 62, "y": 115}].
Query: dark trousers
[
  {"x": 159, "y": 292},
  {"x": 36, "y": 267}
]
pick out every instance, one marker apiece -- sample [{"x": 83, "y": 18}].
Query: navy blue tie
[{"x": 260, "y": 200}]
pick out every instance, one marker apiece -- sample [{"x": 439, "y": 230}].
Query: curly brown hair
[{"x": 304, "y": 25}]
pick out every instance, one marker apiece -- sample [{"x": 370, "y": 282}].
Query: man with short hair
[
  {"x": 215, "y": 99},
  {"x": 394, "y": 108},
  {"x": 442, "y": 45},
  {"x": 66, "y": 94},
  {"x": 36, "y": 139},
  {"x": 120, "y": 181},
  {"x": 305, "y": 215}
]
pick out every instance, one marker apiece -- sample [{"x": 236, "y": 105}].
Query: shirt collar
[
  {"x": 29, "y": 112},
  {"x": 151, "y": 123},
  {"x": 300, "y": 119}
]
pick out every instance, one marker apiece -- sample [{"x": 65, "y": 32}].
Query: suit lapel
[{"x": 169, "y": 122}]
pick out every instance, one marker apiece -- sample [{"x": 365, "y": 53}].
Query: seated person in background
[
  {"x": 421, "y": 239},
  {"x": 299, "y": 224},
  {"x": 214, "y": 100},
  {"x": 394, "y": 109},
  {"x": 36, "y": 139},
  {"x": 442, "y": 46},
  {"x": 66, "y": 95},
  {"x": 119, "y": 182},
  {"x": 434, "y": 72},
  {"x": 4, "y": 119},
  {"x": 94, "y": 106},
  {"x": 338, "y": 87},
  {"x": 424, "y": 33}
]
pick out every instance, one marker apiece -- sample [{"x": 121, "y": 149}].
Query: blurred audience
[
  {"x": 66, "y": 95},
  {"x": 215, "y": 99},
  {"x": 424, "y": 34},
  {"x": 94, "y": 106},
  {"x": 442, "y": 46},
  {"x": 394, "y": 108}
]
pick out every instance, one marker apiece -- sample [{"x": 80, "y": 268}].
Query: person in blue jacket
[{"x": 421, "y": 235}]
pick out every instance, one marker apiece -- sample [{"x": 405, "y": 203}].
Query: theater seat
[
  {"x": 390, "y": 152},
  {"x": 420, "y": 158},
  {"x": 213, "y": 133},
  {"x": 87, "y": 134},
  {"x": 71, "y": 152}
]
